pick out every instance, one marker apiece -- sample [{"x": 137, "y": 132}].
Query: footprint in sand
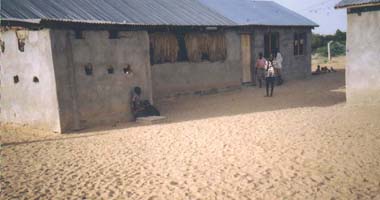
[
  {"x": 153, "y": 198},
  {"x": 173, "y": 183}
]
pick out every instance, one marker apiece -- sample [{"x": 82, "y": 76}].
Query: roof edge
[
  {"x": 357, "y": 5},
  {"x": 46, "y": 21}
]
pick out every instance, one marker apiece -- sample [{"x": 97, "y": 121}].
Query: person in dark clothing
[{"x": 142, "y": 108}]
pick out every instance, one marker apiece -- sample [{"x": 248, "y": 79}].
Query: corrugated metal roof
[
  {"x": 348, "y": 3},
  {"x": 150, "y": 12},
  {"x": 248, "y": 12},
  {"x": 156, "y": 12}
]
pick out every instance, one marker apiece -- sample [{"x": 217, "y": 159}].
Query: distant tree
[
  {"x": 340, "y": 36},
  {"x": 319, "y": 43},
  {"x": 316, "y": 41}
]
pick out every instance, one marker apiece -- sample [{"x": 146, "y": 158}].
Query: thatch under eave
[
  {"x": 165, "y": 47},
  {"x": 210, "y": 44}
]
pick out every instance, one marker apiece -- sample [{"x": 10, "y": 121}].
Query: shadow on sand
[{"x": 316, "y": 91}]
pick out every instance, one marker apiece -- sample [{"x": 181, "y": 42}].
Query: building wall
[
  {"x": 28, "y": 102},
  {"x": 363, "y": 50},
  {"x": 186, "y": 77},
  {"x": 100, "y": 98},
  {"x": 294, "y": 67}
]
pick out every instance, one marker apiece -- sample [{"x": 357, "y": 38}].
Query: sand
[{"x": 304, "y": 143}]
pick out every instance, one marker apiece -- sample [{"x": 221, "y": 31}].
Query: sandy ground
[{"x": 304, "y": 143}]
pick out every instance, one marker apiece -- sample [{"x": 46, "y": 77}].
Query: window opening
[{"x": 271, "y": 44}]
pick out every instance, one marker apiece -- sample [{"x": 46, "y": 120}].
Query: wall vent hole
[
  {"x": 110, "y": 70},
  {"x": 16, "y": 79},
  {"x": 36, "y": 80},
  {"x": 88, "y": 69},
  {"x": 128, "y": 70}
]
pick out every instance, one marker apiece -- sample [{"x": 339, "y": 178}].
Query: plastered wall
[
  {"x": 363, "y": 66},
  {"x": 101, "y": 97},
  {"x": 33, "y": 99}
]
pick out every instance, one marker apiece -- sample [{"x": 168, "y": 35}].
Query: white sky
[{"x": 320, "y": 11}]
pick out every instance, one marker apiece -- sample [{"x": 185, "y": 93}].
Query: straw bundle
[{"x": 165, "y": 47}]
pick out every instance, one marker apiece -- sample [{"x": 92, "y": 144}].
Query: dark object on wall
[
  {"x": 16, "y": 79},
  {"x": 110, "y": 70},
  {"x": 36, "y": 80},
  {"x": 2, "y": 44},
  {"x": 88, "y": 69}
]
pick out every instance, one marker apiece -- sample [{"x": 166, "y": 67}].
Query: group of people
[
  {"x": 323, "y": 70},
  {"x": 270, "y": 71}
]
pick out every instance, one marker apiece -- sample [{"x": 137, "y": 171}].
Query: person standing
[
  {"x": 260, "y": 69},
  {"x": 270, "y": 78},
  {"x": 278, "y": 67}
]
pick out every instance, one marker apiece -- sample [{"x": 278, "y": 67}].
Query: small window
[
  {"x": 16, "y": 79},
  {"x": 299, "y": 43},
  {"x": 272, "y": 44},
  {"x": 36, "y": 80},
  {"x": 113, "y": 35},
  {"x": 79, "y": 34},
  {"x": 88, "y": 69}
]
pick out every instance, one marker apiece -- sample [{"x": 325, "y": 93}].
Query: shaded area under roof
[
  {"x": 349, "y": 3},
  {"x": 248, "y": 12},
  {"x": 149, "y": 12}
]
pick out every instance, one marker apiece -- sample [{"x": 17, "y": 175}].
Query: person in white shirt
[{"x": 278, "y": 67}]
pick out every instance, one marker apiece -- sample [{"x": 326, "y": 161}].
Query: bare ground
[{"x": 304, "y": 143}]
